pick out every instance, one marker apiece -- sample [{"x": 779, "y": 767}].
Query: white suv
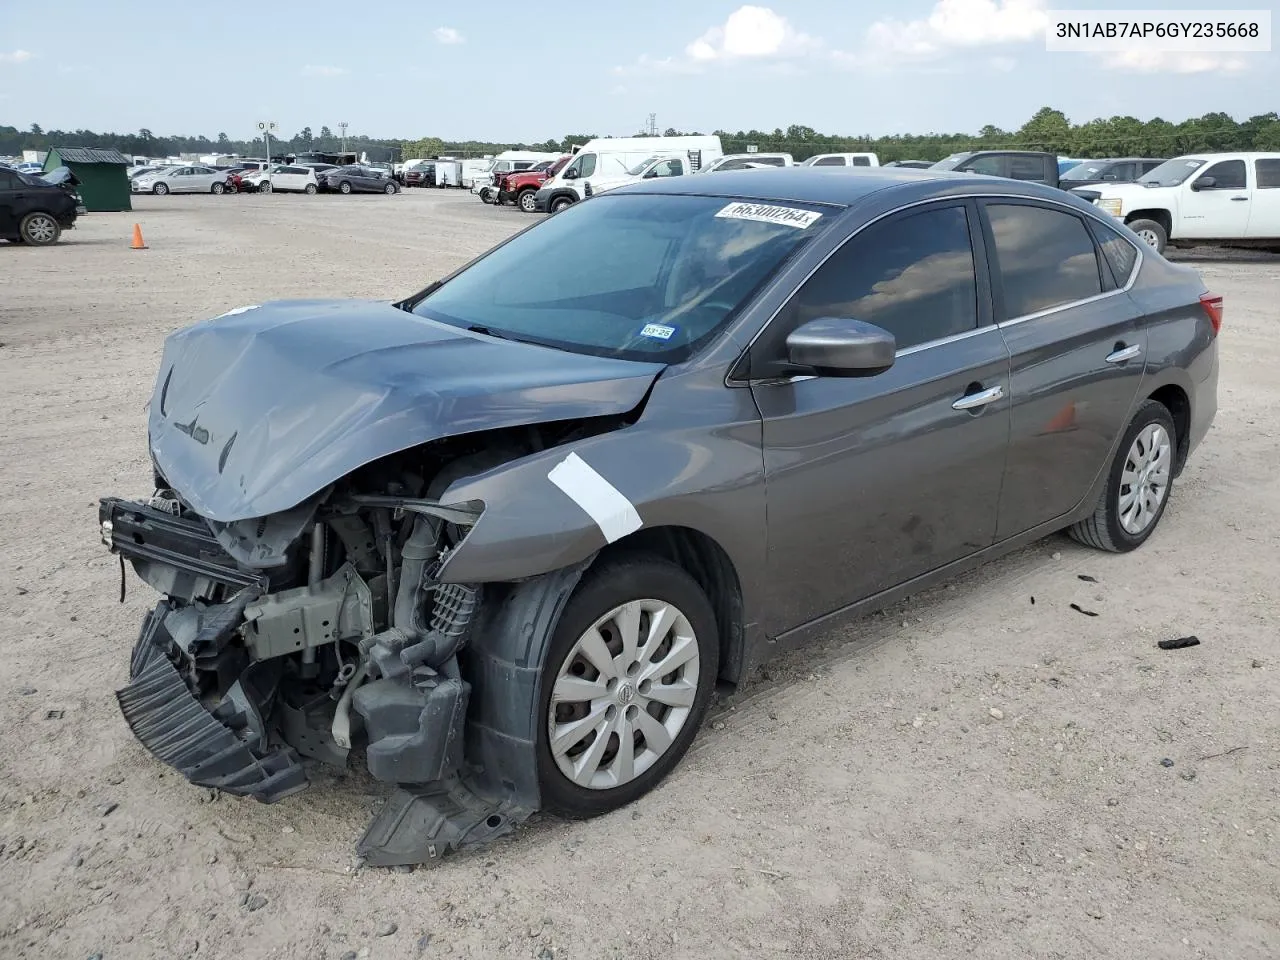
[
  {"x": 298, "y": 179},
  {"x": 1206, "y": 198}
]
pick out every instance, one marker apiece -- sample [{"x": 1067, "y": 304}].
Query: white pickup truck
[{"x": 1222, "y": 199}]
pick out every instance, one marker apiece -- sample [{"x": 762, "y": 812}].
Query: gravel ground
[{"x": 969, "y": 774}]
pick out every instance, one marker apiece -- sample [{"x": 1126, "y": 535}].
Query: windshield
[
  {"x": 639, "y": 167},
  {"x": 1171, "y": 172},
  {"x": 641, "y": 277},
  {"x": 951, "y": 162},
  {"x": 1085, "y": 171}
]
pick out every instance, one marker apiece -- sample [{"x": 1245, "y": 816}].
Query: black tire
[
  {"x": 1103, "y": 530},
  {"x": 264, "y": 186},
  {"x": 39, "y": 229},
  {"x": 560, "y": 203},
  {"x": 160, "y": 189},
  {"x": 218, "y": 189},
  {"x": 527, "y": 200},
  {"x": 310, "y": 189},
  {"x": 344, "y": 187},
  {"x": 612, "y": 583},
  {"x": 1158, "y": 234}
]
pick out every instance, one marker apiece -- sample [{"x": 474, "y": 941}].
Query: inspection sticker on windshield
[
  {"x": 769, "y": 213},
  {"x": 657, "y": 331}
]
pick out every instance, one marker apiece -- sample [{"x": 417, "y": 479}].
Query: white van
[
  {"x": 505, "y": 163},
  {"x": 610, "y": 159},
  {"x": 843, "y": 160}
]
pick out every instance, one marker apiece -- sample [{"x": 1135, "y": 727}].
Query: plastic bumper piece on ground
[{"x": 173, "y": 725}]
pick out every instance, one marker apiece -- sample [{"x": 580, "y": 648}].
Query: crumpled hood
[{"x": 255, "y": 411}]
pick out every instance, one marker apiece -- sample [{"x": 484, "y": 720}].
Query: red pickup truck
[{"x": 521, "y": 186}]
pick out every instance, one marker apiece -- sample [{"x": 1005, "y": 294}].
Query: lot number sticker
[{"x": 768, "y": 213}]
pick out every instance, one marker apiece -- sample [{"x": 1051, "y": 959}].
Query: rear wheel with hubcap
[
  {"x": 264, "y": 186},
  {"x": 625, "y": 684},
  {"x": 559, "y": 203},
  {"x": 1138, "y": 484},
  {"x": 389, "y": 189},
  {"x": 344, "y": 187},
  {"x": 309, "y": 189}
]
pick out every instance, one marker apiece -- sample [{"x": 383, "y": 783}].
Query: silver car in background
[{"x": 193, "y": 179}]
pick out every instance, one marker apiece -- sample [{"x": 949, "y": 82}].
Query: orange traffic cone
[{"x": 137, "y": 238}]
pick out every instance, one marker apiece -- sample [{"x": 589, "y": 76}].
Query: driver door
[
  {"x": 1218, "y": 212},
  {"x": 872, "y": 481}
]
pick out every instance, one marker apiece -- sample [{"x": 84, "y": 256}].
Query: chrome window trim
[{"x": 929, "y": 344}]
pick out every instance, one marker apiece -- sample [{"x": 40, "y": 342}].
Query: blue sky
[{"x": 505, "y": 70}]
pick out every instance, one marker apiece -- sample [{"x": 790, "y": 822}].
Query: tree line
[{"x": 1048, "y": 129}]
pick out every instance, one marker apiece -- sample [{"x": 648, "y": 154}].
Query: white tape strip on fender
[{"x": 613, "y": 513}]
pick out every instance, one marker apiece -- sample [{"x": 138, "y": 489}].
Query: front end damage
[{"x": 309, "y": 634}]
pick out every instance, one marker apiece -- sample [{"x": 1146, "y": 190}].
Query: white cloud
[
  {"x": 312, "y": 71},
  {"x": 956, "y": 24},
  {"x": 750, "y": 32},
  {"x": 1166, "y": 61},
  {"x": 448, "y": 36},
  {"x": 17, "y": 56},
  {"x": 1002, "y": 64}
]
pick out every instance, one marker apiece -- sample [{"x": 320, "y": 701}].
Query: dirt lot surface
[{"x": 969, "y": 775}]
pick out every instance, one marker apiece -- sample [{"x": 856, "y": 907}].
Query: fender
[{"x": 673, "y": 470}]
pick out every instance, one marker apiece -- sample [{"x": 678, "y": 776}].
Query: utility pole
[
  {"x": 343, "y": 127},
  {"x": 266, "y": 126},
  {"x": 652, "y": 125}
]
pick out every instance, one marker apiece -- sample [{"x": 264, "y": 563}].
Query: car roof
[{"x": 839, "y": 186}]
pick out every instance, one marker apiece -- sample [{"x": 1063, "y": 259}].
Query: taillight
[{"x": 1212, "y": 304}]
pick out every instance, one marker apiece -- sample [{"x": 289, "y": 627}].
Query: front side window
[
  {"x": 912, "y": 276},
  {"x": 829, "y": 162},
  {"x": 642, "y": 277},
  {"x": 584, "y": 165},
  {"x": 1046, "y": 258},
  {"x": 668, "y": 168},
  {"x": 1227, "y": 175}
]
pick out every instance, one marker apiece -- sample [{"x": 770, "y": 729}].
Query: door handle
[
  {"x": 1124, "y": 354},
  {"x": 1240, "y": 199},
  {"x": 972, "y": 401}
]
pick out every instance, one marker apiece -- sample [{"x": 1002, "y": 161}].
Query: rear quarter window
[{"x": 1120, "y": 254}]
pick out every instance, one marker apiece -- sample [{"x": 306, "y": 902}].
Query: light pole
[
  {"x": 343, "y": 127},
  {"x": 267, "y": 126}
]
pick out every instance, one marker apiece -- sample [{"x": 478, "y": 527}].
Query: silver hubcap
[
  {"x": 527, "y": 202},
  {"x": 1149, "y": 238},
  {"x": 40, "y": 229},
  {"x": 623, "y": 694},
  {"x": 1145, "y": 481}
]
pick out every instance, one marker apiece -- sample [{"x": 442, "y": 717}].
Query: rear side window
[
  {"x": 1268, "y": 174},
  {"x": 861, "y": 162},
  {"x": 987, "y": 166},
  {"x": 913, "y": 276},
  {"x": 1046, "y": 258},
  {"x": 7, "y": 180},
  {"x": 829, "y": 162},
  {"x": 1026, "y": 168},
  {"x": 1120, "y": 254}
]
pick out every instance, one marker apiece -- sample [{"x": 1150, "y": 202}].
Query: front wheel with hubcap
[
  {"x": 1153, "y": 234},
  {"x": 39, "y": 229},
  {"x": 559, "y": 203},
  {"x": 160, "y": 189},
  {"x": 1138, "y": 484},
  {"x": 528, "y": 200},
  {"x": 344, "y": 187},
  {"x": 309, "y": 189},
  {"x": 625, "y": 684},
  {"x": 264, "y": 186},
  {"x": 389, "y": 189}
]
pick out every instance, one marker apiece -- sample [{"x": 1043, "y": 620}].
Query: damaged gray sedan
[{"x": 502, "y": 538}]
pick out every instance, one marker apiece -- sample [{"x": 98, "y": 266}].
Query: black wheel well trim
[
  {"x": 1162, "y": 217},
  {"x": 1173, "y": 398},
  {"x": 700, "y": 556}
]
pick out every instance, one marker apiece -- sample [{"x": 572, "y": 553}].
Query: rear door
[
  {"x": 871, "y": 481},
  {"x": 1220, "y": 211},
  {"x": 1264, "y": 207},
  {"x": 1077, "y": 354}
]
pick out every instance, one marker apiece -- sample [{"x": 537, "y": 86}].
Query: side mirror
[
  {"x": 841, "y": 347},
  {"x": 1204, "y": 183},
  {"x": 570, "y": 175}
]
